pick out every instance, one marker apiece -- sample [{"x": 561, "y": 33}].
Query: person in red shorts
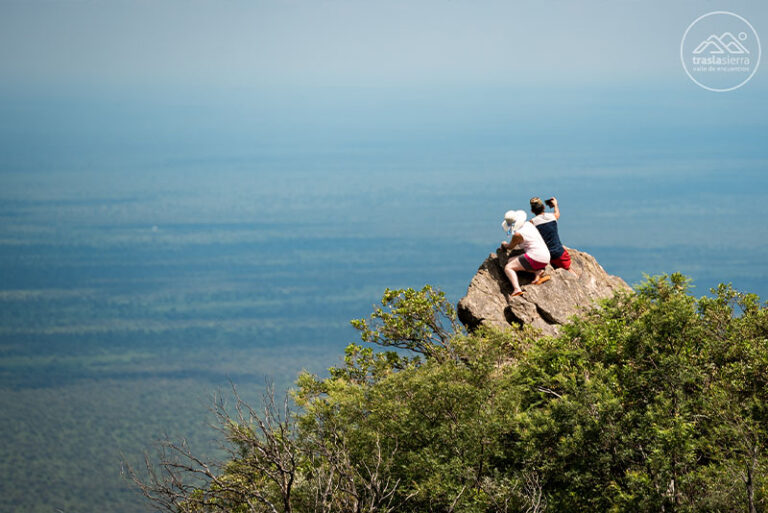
[
  {"x": 536, "y": 255},
  {"x": 546, "y": 223}
]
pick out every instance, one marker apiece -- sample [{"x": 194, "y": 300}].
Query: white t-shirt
[
  {"x": 544, "y": 217},
  {"x": 533, "y": 243}
]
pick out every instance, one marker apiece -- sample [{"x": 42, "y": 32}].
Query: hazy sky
[{"x": 236, "y": 43}]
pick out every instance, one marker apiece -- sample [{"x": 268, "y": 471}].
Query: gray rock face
[{"x": 545, "y": 306}]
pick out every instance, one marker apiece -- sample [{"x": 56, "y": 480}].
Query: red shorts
[
  {"x": 563, "y": 261},
  {"x": 529, "y": 264}
]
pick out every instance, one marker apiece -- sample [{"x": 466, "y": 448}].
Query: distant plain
[{"x": 154, "y": 249}]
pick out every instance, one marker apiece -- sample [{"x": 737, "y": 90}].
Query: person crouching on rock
[
  {"x": 536, "y": 254},
  {"x": 546, "y": 223}
]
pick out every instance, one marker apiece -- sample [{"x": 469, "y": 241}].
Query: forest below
[{"x": 653, "y": 401}]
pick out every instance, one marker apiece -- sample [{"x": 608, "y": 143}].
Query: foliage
[{"x": 654, "y": 401}]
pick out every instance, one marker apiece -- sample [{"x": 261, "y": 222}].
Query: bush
[{"x": 653, "y": 401}]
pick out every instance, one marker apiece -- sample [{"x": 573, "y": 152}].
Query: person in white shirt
[{"x": 536, "y": 256}]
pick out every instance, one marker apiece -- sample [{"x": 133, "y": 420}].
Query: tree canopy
[{"x": 652, "y": 401}]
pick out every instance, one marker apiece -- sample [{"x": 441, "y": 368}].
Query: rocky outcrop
[{"x": 545, "y": 306}]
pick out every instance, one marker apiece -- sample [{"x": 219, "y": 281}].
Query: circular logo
[{"x": 720, "y": 51}]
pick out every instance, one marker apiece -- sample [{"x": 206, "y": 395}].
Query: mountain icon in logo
[{"x": 726, "y": 43}]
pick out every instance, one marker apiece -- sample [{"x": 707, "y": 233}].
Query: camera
[{"x": 550, "y": 203}]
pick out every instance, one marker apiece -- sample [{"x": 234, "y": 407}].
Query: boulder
[{"x": 545, "y": 306}]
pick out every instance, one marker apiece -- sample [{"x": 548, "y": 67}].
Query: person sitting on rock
[
  {"x": 546, "y": 223},
  {"x": 536, "y": 254}
]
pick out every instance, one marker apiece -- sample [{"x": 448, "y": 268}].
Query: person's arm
[
  {"x": 516, "y": 239},
  {"x": 555, "y": 207}
]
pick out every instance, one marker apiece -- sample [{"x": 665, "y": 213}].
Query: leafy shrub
[{"x": 653, "y": 401}]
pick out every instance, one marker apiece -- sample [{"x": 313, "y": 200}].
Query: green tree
[{"x": 653, "y": 401}]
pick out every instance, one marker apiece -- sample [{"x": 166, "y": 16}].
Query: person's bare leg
[{"x": 511, "y": 271}]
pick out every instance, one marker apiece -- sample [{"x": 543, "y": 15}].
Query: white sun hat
[{"x": 513, "y": 220}]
